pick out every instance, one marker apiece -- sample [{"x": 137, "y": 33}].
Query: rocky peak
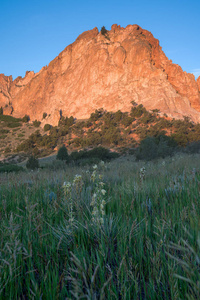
[{"x": 105, "y": 71}]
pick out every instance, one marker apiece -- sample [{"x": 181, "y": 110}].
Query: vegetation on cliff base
[{"x": 116, "y": 130}]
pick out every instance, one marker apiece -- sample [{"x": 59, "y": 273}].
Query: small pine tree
[
  {"x": 104, "y": 31},
  {"x": 32, "y": 163},
  {"x": 1, "y": 110},
  {"x": 47, "y": 127},
  {"x": 26, "y": 119},
  {"x": 63, "y": 154}
]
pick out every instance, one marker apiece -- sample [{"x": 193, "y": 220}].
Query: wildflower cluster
[{"x": 98, "y": 202}]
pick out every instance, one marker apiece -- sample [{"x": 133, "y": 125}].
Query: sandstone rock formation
[{"x": 104, "y": 71}]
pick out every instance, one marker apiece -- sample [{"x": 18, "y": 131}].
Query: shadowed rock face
[{"x": 109, "y": 72}]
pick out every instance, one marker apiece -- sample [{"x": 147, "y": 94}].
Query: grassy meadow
[{"x": 117, "y": 230}]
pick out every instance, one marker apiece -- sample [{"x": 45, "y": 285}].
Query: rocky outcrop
[
  {"x": 198, "y": 82},
  {"x": 104, "y": 71}
]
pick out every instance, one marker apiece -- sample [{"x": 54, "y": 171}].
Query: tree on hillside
[
  {"x": 103, "y": 30},
  {"x": 1, "y": 110},
  {"x": 32, "y": 163},
  {"x": 26, "y": 119},
  {"x": 63, "y": 154}
]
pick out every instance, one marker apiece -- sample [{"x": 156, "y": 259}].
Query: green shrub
[
  {"x": 126, "y": 121},
  {"x": 99, "y": 153},
  {"x": 13, "y": 125},
  {"x": 96, "y": 115},
  {"x": 155, "y": 147},
  {"x": 102, "y": 153},
  {"x": 63, "y": 154},
  {"x": 66, "y": 121},
  {"x": 25, "y": 146},
  {"x": 26, "y": 119},
  {"x": 147, "y": 149},
  {"x": 2, "y": 131},
  {"x": 104, "y": 31},
  {"x": 10, "y": 168},
  {"x": 148, "y": 118},
  {"x": 47, "y": 127},
  {"x": 32, "y": 163},
  {"x": 137, "y": 111},
  {"x": 193, "y": 147},
  {"x": 6, "y": 118},
  {"x": 118, "y": 116},
  {"x": 36, "y": 123},
  {"x": 44, "y": 115}
]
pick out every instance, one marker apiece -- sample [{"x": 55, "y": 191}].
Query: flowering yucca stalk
[
  {"x": 67, "y": 187},
  {"x": 71, "y": 192},
  {"x": 98, "y": 202},
  {"x": 142, "y": 174},
  {"x": 77, "y": 183}
]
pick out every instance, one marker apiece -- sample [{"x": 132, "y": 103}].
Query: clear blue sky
[{"x": 32, "y": 33}]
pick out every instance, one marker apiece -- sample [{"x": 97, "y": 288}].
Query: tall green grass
[{"x": 146, "y": 247}]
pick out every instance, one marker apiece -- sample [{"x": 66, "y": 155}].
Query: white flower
[
  {"x": 95, "y": 167},
  {"x": 66, "y": 185},
  {"x": 103, "y": 192}
]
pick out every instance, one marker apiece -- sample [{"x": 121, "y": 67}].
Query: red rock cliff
[{"x": 98, "y": 71}]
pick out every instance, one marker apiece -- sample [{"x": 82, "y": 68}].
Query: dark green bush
[
  {"x": 96, "y": 115},
  {"x": 63, "y": 154},
  {"x": 66, "y": 121},
  {"x": 25, "y": 146},
  {"x": 35, "y": 137},
  {"x": 44, "y": 115},
  {"x": 36, "y": 123},
  {"x": 148, "y": 118},
  {"x": 32, "y": 163},
  {"x": 10, "y": 168},
  {"x": 126, "y": 121},
  {"x": 193, "y": 147},
  {"x": 99, "y": 153},
  {"x": 10, "y": 119},
  {"x": 104, "y": 31},
  {"x": 156, "y": 147},
  {"x": 1, "y": 110},
  {"x": 26, "y": 119},
  {"x": 118, "y": 116},
  {"x": 47, "y": 127},
  {"x": 137, "y": 111},
  {"x": 3, "y": 131},
  {"x": 13, "y": 125}
]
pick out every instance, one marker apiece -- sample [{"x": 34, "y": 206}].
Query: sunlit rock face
[{"x": 104, "y": 71}]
